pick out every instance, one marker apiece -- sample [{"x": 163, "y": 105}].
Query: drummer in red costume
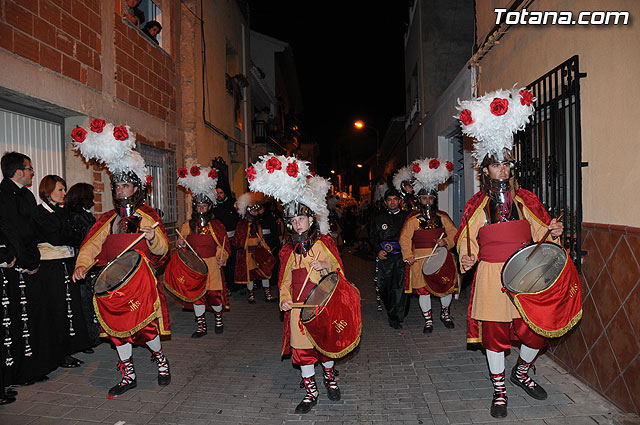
[
  {"x": 426, "y": 228},
  {"x": 500, "y": 219},
  {"x": 308, "y": 255},
  {"x": 254, "y": 261},
  {"x": 208, "y": 237},
  {"x": 147, "y": 317}
]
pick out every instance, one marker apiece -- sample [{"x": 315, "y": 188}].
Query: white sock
[
  {"x": 265, "y": 283},
  {"x": 124, "y": 351},
  {"x": 528, "y": 354},
  {"x": 425, "y": 302},
  {"x": 250, "y": 285},
  {"x": 307, "y": 370},
  {"x": 217, "y": 308},
  {"x": 199, "y": 309},
  {"x": 155, "y": 344},
  {"x": 329, "y": 364},
  {"x": 496, "y": 361},
  {"x": 446, "y": 300}
]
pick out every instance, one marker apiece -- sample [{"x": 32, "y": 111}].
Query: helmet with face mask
[
  {"x": 301, "y": 192},
  {"x": 429, "y": 173},
  {"x": 201, "y": 182},
  {"x": 113, "y": 146}
]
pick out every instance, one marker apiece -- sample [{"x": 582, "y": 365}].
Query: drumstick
[
  {"x": 187, "y": 243},
  {"x": 468, "y": 236},
  {"x": 307, "y": 278},
  {"x": 299, "y": 305},
  {"x": 544, "y": 238},
  {"x": 434, "y": 248},
  {"x": 138, "y": 239},
  {"x": 423, "y": 256}
]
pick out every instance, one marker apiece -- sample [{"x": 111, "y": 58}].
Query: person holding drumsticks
[
  {"x": 497, "y": 221},
  {"x": 131, "y": 220},
  {"x": 425, "y": 231},
  {"x": 308, "y": 254},
  {"x": 208, "y": 238}
]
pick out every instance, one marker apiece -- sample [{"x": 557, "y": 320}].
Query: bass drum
[
  {"x": 117, "y": 273},
  {"x": 186, "y": 275}
]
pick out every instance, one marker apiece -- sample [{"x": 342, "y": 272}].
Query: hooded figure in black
[{"x": 384, "y": 236}]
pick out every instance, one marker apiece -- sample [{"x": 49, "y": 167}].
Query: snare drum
[
  {"x": 126, "y": 295},
  {"x": 186, "y": 275},
  {"x": 544, "y": 287},
  {"x": 439, "y": 272},
  {"x": 335, "y": 326}
]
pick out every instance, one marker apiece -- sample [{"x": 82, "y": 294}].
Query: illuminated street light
[
  {"x": 333, "y": 171},
  {"x": 359, "y": 125},
  {"x": 359, "y": 165}
]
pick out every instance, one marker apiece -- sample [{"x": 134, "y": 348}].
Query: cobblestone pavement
[{"x": 394, "y": 377}]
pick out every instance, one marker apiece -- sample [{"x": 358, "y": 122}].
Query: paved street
[{"x": 237, "y": 377}]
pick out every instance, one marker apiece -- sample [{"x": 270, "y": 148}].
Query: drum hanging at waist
[
  {"x": 335, "y": 326},
  {"x": 186, "y": 275},
  {"x": 544, "y": 287}
]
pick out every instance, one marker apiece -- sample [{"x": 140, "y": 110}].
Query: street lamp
[{"x": 360, "y": 125}]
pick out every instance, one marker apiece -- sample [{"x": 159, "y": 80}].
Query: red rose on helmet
[
  {"x": 149, "y": 180},
  {"x": 120, "y": 133},
  {"x": 499, "y": 106},
  {"x": 213, "y": 173},
  {"x": 195, "y": 171},
  {"x": 416, "y": 167},
  {"x": 182, "y": 173},
  {"x": 79, "y": 134},
  {"x": 292, "y": 169},
  {"x": 526, "y": 97},
  {"x": 449, "y": 166},
  {"x": 97, "y": 125},
  {"x": 465, "y": 117},
  {"x": 434, "y": 163},
  {"x": 273, "y": 164},
  {"x": 251, "y": 173}
]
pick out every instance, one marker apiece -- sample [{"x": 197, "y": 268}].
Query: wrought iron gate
[{"x": 549, "y": 153}]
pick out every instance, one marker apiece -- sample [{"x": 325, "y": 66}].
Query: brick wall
[
  {"x": 64, "y": 36},
  {"x": 604, "y": 349},
  {"x": 145, "y": 74}
]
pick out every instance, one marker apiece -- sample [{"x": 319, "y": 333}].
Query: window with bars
[
  {"x": 161, "y": 164},
  {"x": 549, "y": 153}
]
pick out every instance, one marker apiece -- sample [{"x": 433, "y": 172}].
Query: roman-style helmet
[
  {"x": 402, "y": 179},
  {"x": 429, "y": 173},
  {"x": 201, "y": 182}
]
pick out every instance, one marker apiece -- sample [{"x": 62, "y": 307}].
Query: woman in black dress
[
  {"x": 78, "y": 204},
  {"x": 67, "y": 329}
]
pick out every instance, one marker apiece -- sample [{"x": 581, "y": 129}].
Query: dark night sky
[{"x": 349, "y": 57}]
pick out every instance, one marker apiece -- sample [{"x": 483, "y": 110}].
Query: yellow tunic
[
  {"x": 406, "y": 245},
  {"x": 214, "y": 279},
  {"x": 92, "y": 248},
  {"x": 489, "y": 302},
  {"x": 298, "y": 340}
]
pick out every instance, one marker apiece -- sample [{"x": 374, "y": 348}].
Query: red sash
[
  {"x": 115, "y": 243},
  {"x": 204, "y": 245},
  {"x": 499, "y": 241},
  {"x": 297, "y": 279},
  {"x": 426, "y": 238},
  {"x": 131, "y": 307}
]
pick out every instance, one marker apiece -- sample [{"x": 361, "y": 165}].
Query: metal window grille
[
  {"x": 549, "y": 153},
  {"x": 162, "y": 167}
]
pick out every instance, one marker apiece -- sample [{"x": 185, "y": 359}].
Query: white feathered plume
[
  {"x": 403, "y": 174},
  {"x": 110, "y": 145},
  {"x": 430, "y": 173},
  {"x": 246, "y": 200},
  {"x": 289, "y": 180},
  {"x": 494, "y": 118},
  {"x": 200, "y": 181}
]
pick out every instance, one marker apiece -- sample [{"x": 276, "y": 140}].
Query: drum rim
[
  {"x": 319, "y": 309},
  {"x": 197, "y": 256},
  {"x": 510, "y": 291},
  {"x": 441, "y": 266},
  {"x": 126, "y": 278}
]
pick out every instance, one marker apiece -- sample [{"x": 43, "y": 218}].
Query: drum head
[
  {"x": 192, "y": 261},
  {"x": 319, "y": 295},
  {"x": 525, "y": 275},
  {"x": 432, "y": 264},
  {"x": 117, "y": 272}
]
